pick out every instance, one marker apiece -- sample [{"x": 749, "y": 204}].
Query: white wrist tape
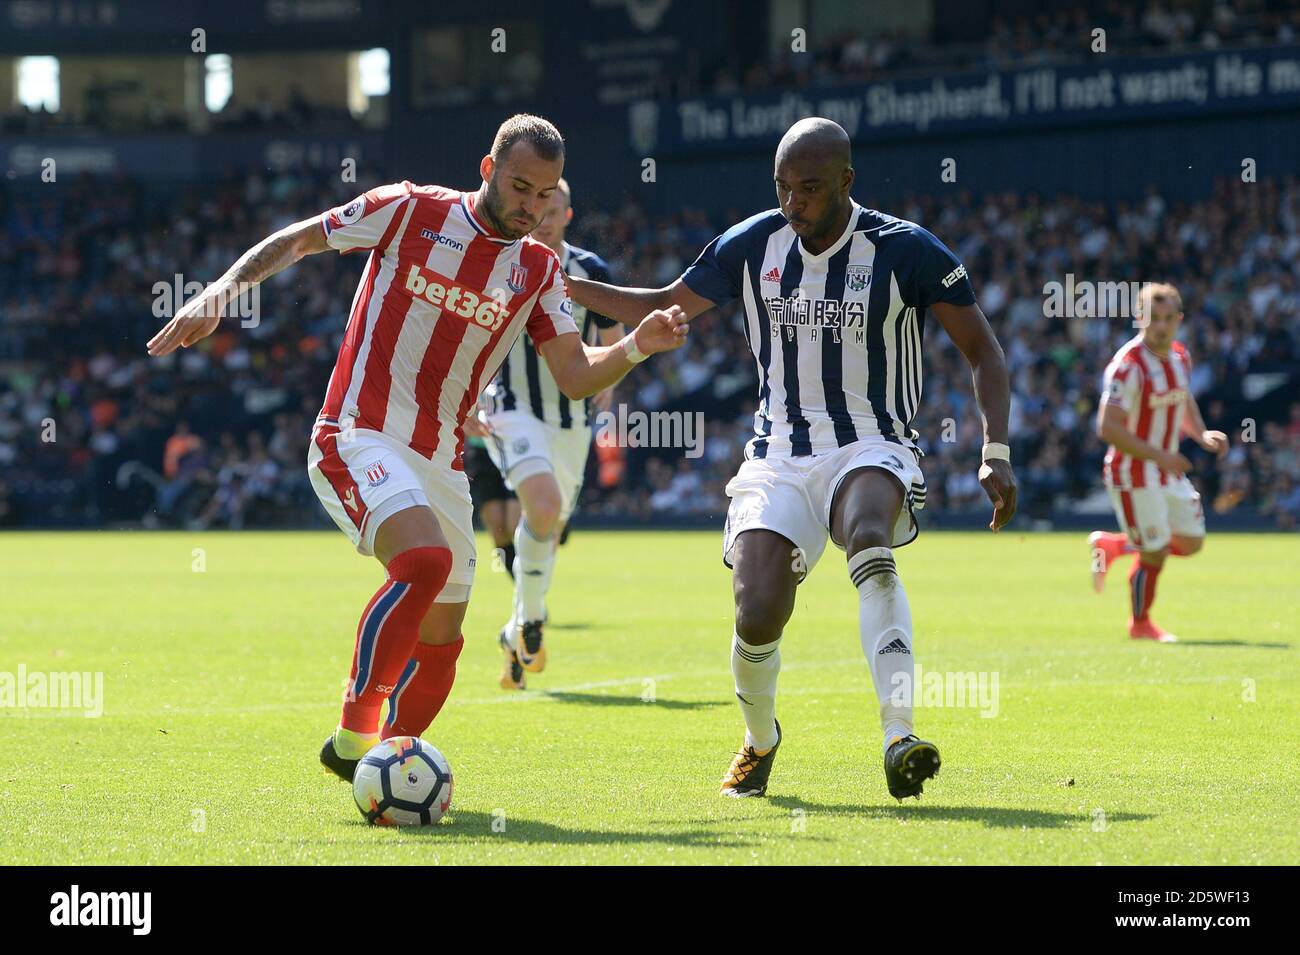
[
  {"x": 633, "y": 354},
  {"x": 993, "y": 451}
]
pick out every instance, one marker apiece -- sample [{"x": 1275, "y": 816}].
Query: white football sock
[
  {"x": 533, "y": 559},
  {"x": 885, "y": 626},
  {"x": 755, "y": 669},
  {"x": 550, "y": 569}
]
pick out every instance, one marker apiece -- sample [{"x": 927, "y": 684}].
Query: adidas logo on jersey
[
  {"x": 773, "y": 276},
  {"x": 445, "y": 294},
  {"x": 895, "y": 646}
]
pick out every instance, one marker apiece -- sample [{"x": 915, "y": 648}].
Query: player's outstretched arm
[
  {"x": 970, "y": 332},
  {"x": 199, "y": 317},
  {"x": 582, "y": 370},
  {"x": 604, "y": 398},
  {"x": 631, "y": 305}
]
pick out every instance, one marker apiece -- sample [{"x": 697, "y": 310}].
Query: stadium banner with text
[{"x": 1108, "y": 91}]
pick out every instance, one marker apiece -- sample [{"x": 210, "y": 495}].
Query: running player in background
[
  {"x": 539, "y": 440},
  {"x": 835, "y": 296},
  {"x": 451, "y": 282},
  {"x": 1146, "y": 408}
]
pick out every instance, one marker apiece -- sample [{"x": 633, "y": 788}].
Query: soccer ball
[{"x": 402, "y": 782}]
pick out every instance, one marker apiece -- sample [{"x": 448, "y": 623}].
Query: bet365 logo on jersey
[{"x": 444, "y": 293}]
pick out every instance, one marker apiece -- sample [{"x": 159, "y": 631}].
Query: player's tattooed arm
[
  {"x": 279, "y": 251},
  {"x": 970, "y": 332},
  {"x": 200, "y": 316},
  {"x": 631, "y": 305},
  {"x": 1216, "y": 442}
]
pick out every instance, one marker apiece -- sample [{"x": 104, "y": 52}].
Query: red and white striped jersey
[
  {"x": 441, "y": 301},
  {"x": 1153, "y": 390}
]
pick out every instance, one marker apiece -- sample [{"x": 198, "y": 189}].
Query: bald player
[{"x": 835, "y": 299}]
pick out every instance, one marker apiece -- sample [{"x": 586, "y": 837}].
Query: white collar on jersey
[
  {"x": 479, "y": 226},
  {"x": 1155, "y": 354},
  {"x": 855, "y": 213}
]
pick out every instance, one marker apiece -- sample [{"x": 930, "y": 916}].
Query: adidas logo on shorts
[{"x": 896, "y": 646}]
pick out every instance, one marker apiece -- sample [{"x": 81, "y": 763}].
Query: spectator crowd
[
  {"x": 452, "y": 69},
  {"x": 94, "y": 432},
  {"x": 984, "y": 39}
]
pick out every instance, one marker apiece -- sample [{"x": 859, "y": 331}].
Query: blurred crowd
[
  {"x": 451, "y": 70},
  {"x": 93, "y": 432},
  {"x": 1055, "y": 34}
]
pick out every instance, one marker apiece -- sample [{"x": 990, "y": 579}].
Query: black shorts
[{"x": 485, "y": 481}]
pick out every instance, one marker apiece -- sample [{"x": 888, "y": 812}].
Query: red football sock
[
  {"x": 1142, "y": 588},
  {"x": 389, "y": 631},
  {"x": 423, "y": 688}
]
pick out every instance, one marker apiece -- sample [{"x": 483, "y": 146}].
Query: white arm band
[
  {"x": 633, "y": 354},
  {"x": 993, "y": 451}
]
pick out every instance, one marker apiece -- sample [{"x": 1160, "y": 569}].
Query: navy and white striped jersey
[
  {"x": 525, "y": 383},
  {"x": 836, "y": 336}
]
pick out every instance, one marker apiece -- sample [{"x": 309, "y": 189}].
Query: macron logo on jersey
[
  {"x": 437, "y": 238},
  {"x": 443, "y": 293}
]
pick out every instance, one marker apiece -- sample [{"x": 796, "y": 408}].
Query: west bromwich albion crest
[
  {"x": 518, "y": 278},
  {"x": 858, "y": 277}
]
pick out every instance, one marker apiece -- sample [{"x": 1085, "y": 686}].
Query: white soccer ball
[{"x": 403, "y": 782}]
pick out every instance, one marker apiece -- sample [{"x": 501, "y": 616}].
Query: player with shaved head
[{"x": 835, "y": 300}]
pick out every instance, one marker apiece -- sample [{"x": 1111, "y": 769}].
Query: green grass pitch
[{"x": 220, "y": 684}]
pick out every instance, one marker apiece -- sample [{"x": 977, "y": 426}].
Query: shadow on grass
[
  {"x": 469, "y": 826},
  {"x": 993, "y": 817},
  {"x": 1233, "y": 643},
  {"x": 607, "y": 699},
  {"x": 568, "y": 626}
]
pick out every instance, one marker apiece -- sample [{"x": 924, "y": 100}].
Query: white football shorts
[
  {"x": 1151, "y": 515},
  {"x": 793, "y": 496},
  {"x": 521, "y": 445},
  {"x": 365, "y": 477}
]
